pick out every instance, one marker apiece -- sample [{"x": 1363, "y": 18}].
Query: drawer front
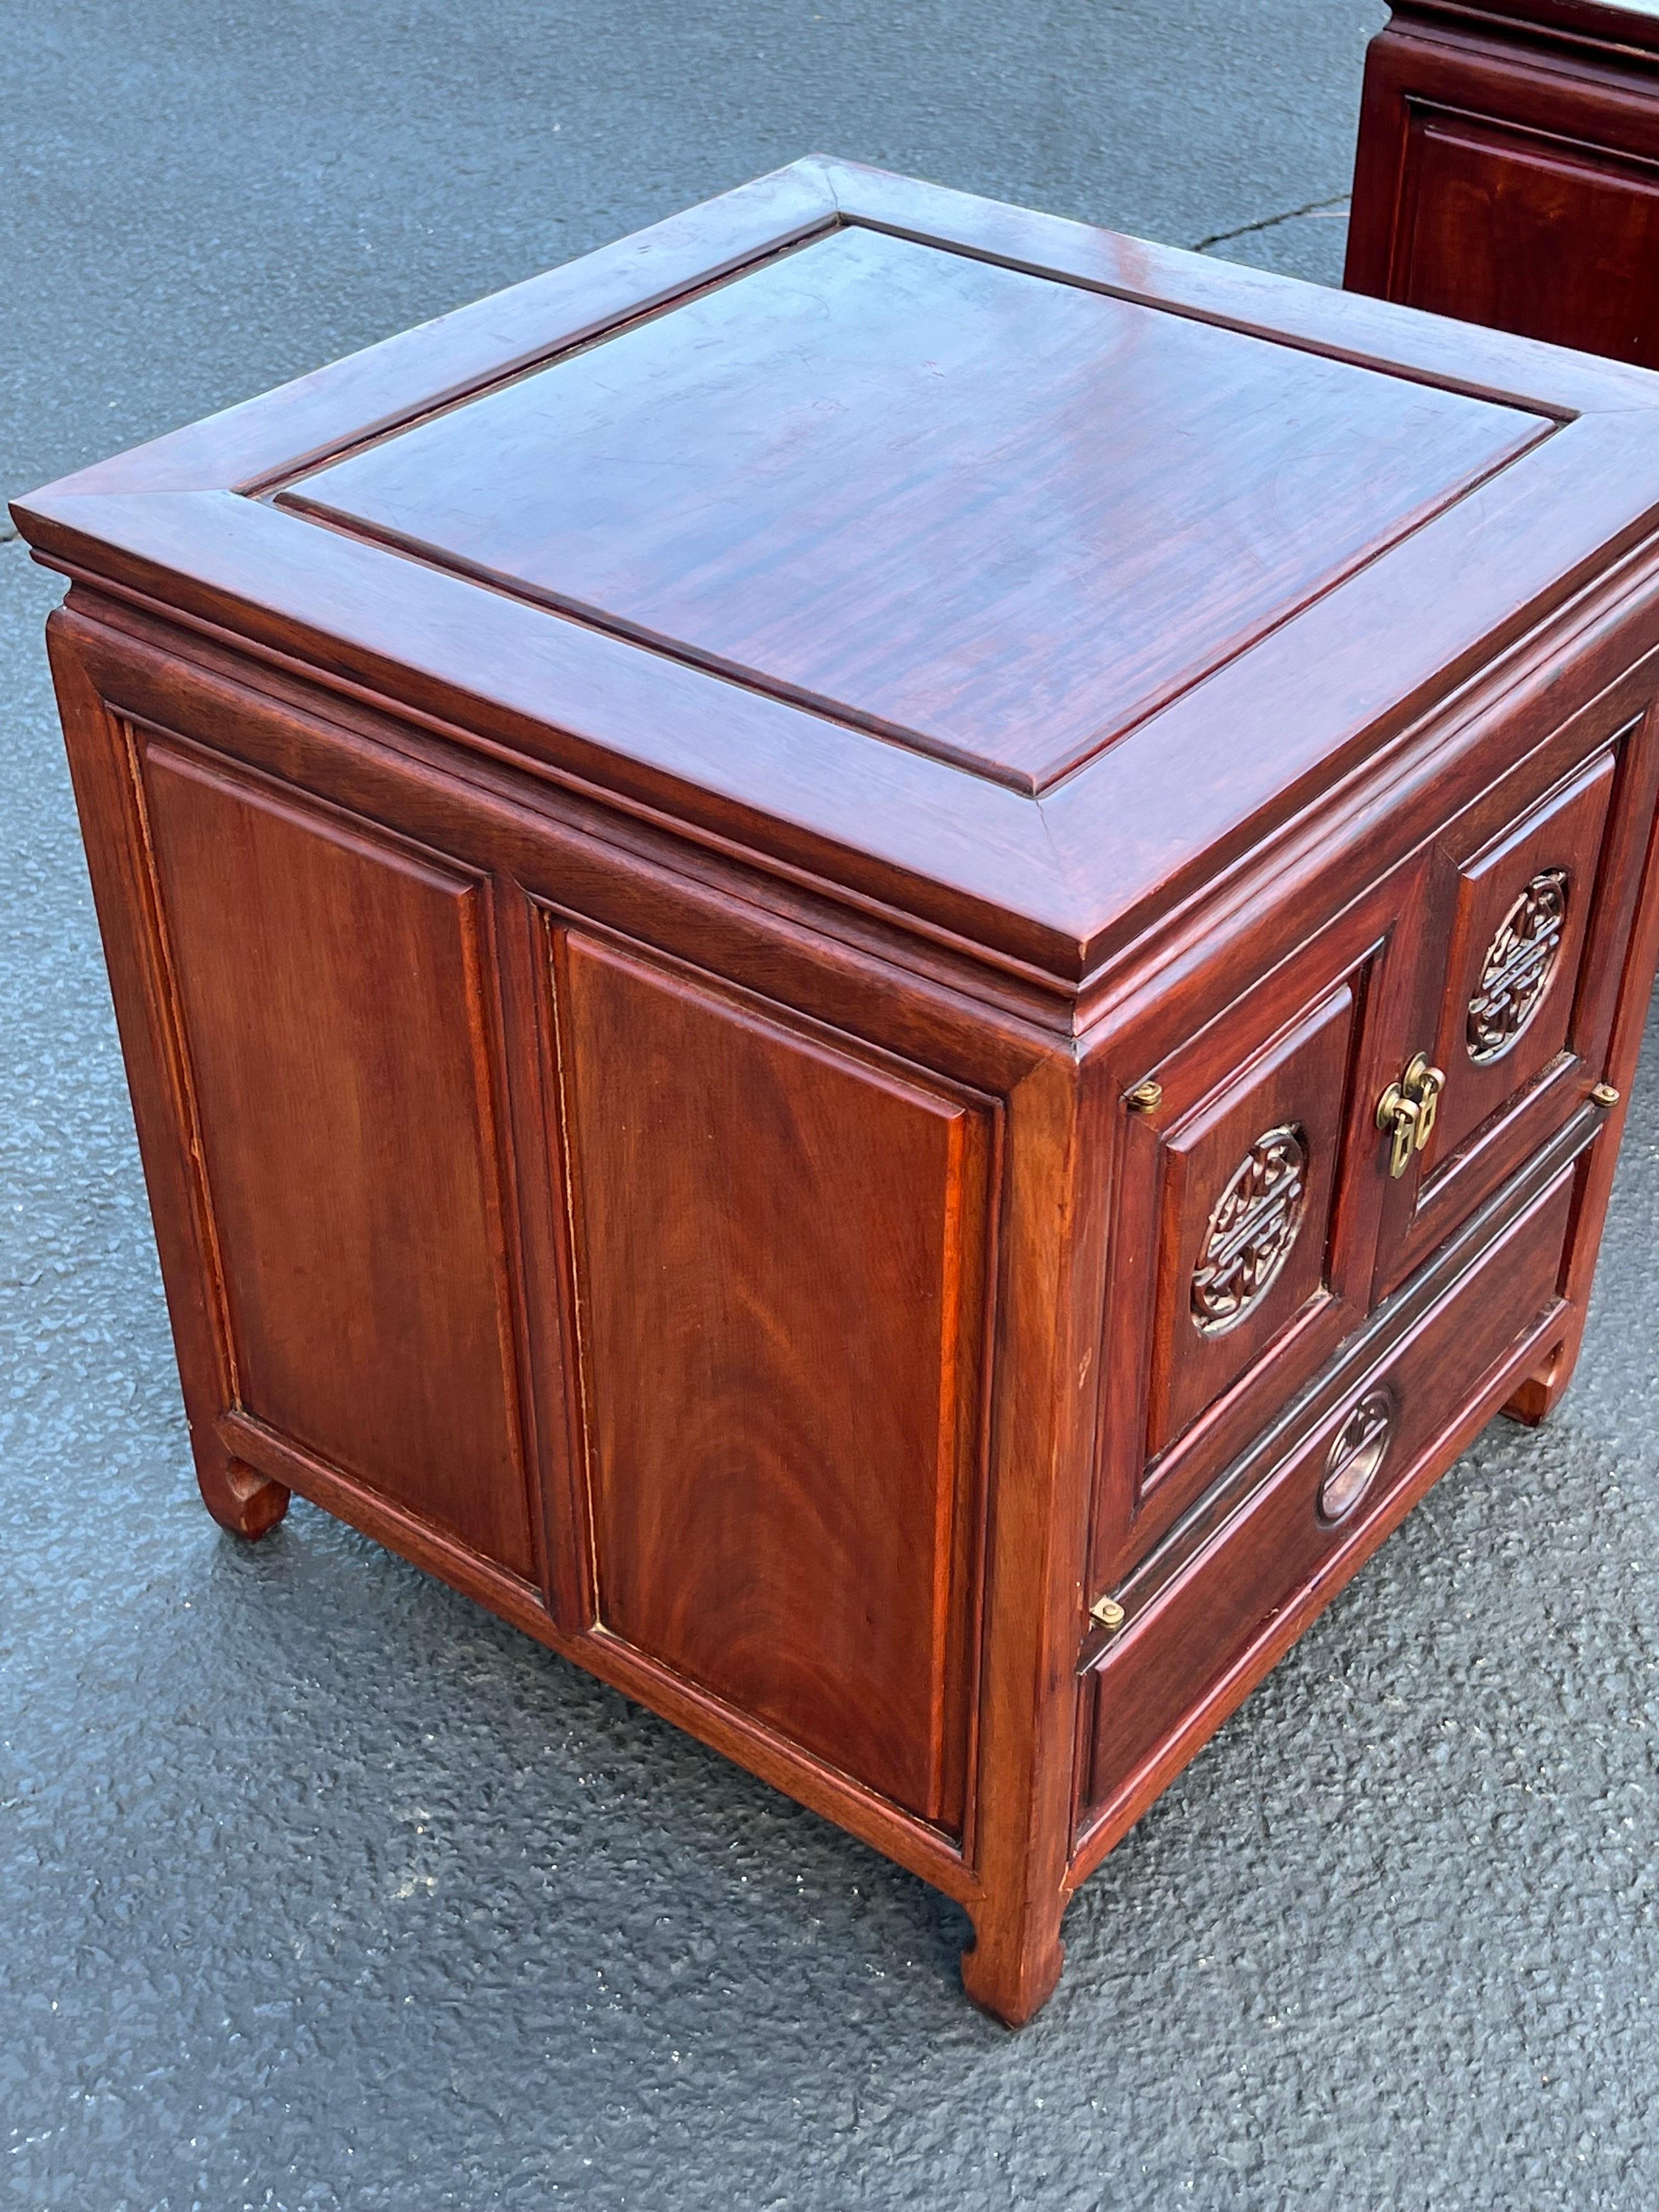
[{"x": 1163, "y": 1685}]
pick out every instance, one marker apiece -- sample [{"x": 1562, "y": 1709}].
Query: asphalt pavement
[{"x": 319, "y": 1887}]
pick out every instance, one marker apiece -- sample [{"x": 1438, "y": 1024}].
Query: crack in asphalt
[{"x": 1272, "y": 222}]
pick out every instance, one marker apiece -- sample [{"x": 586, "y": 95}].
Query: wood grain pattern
[
  {"x": 904, "y": 486},
  {"x": 781, "y": 1254},
  {"x": 1060, "y": 884},
  {"x": 330, "y": 990},
  {"x": 720, "y": 949}
]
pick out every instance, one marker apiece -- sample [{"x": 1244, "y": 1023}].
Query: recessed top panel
[{"x": 989, "y": 515}]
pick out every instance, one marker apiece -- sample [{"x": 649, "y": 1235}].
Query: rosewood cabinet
[
  {"x": 876, "y": 956},
  {"x": 1508, "y": 168}
]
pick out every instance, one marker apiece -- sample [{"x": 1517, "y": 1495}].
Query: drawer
[{"x": 1193, "y": 1643}]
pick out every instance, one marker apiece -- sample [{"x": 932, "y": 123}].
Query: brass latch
[{"x": 1407, "y": 1109}]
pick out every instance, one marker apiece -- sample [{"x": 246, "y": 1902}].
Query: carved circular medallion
[
  {"x": 1251, "y": 1232},
  {"x": 1519, "y": 968},
  {"x": 1360, "y": 1448}
]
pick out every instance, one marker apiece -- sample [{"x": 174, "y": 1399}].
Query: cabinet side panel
[
  {"x": 1523, "y": 232},
  {"x": 331, "y": 988},
  {"x": 780, "y": 1249}
]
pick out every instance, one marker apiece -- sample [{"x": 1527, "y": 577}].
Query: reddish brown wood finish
[
  {"x": 921, "y": 555},
  {"x": 780, "y": 1245},
  {"x": 759, "y": 898},
  {"x": 331, "y": 987},
  {"x": 1508, "y": 169},
  {"x": 1166, "y": 1677}
]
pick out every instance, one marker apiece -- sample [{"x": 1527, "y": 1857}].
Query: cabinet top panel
[
  {"x": 1004, "y": 574},
  {"x": 981, "y": 512}
]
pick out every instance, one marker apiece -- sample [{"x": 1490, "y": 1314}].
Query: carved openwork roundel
[
  {"x": 1358, "y": 1448},
  {"x": 1251, "y": 1232},
  {"x": 1519, "y": 968}
]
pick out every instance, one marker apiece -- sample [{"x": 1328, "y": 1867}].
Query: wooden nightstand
[{"x": 876, "y": 957}]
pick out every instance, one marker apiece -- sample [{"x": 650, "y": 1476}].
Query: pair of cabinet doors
[{"x": 1298, "y": 1157}]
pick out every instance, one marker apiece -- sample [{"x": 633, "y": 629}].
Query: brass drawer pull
[{"x": 1406, "y": 1112}]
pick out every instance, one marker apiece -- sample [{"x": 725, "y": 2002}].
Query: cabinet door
[
  {"x": 1249, "y": 1205},
  {"x": 1533, "y": 890}
]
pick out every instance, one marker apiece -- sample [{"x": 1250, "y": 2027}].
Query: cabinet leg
[
  {"x": 1537, "y": 1398},
  {"x": 1015, "y": 1961},
  {"x": 246, "y": 1502}
]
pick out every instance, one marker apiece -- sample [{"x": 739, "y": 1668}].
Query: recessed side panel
[
  {"x": 1527, "y": 233},
  {"x": 332, "y": 988},
  {"x": 779, "y": 1253}
]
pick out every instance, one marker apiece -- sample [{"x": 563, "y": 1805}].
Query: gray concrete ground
[{"x": 319, "y": 1888}]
